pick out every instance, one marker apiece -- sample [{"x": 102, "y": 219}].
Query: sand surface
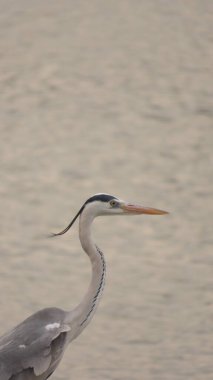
[{"x": 111, "y": 96}]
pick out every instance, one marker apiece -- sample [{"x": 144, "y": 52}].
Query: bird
[{"x": 34, "y": 348}]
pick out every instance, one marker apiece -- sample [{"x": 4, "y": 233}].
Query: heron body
[{"x": 34, "y": 348}]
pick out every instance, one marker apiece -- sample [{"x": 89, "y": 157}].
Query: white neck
[{"x": 85, "y": 310}]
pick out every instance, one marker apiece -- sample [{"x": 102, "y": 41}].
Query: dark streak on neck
[{"x": 99, "y": 288}]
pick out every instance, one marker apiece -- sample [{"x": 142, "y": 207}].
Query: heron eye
[{"x": 113, "y": 203}]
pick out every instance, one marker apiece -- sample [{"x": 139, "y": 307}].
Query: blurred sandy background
[{"x": 111, "y": 96}]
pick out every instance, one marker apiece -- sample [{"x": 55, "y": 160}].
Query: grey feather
[{"x": 29, "y": 349}]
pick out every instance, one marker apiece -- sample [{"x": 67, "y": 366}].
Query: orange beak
[{"x": 136, "y": 209}]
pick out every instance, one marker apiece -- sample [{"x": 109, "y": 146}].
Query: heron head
[{"x": 105, "y": 204}]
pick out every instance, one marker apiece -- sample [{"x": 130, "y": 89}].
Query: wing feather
[{"x": 31, "y": 345}]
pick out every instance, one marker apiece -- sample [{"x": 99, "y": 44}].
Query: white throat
[{"x": 87, "y": 307}]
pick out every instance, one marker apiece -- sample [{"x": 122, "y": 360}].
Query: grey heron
[{"x": 33, "y": 349}]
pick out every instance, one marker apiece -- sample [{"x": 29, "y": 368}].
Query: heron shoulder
[{"x": 32, "y": 344}]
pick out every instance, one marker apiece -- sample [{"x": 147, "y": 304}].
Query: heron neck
[{"x": 87, "y": 307}]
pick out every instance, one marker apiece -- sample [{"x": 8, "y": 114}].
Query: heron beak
[{"x": 137, "y": 209}]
